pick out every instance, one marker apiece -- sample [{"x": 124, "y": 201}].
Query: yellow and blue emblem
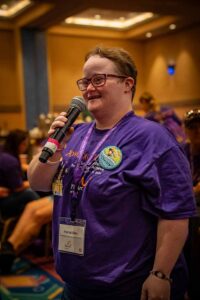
[{"x": 110, "y": 157}]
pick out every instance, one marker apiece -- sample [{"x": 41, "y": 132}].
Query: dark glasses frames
[{"x": 96, "y": 80}]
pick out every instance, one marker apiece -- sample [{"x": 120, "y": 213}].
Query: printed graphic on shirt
[
  {"x": 88, "y": 171},
  {"x": 65, "y": 174},
  {"x": 110, "y": 157}
]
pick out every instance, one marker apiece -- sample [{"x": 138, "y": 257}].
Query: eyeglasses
[{"x": 96, "y": 80}]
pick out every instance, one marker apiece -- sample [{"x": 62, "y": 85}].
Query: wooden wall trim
[
  {"x": 10, "y": 109},
  {"x": 176, "y": 103}
]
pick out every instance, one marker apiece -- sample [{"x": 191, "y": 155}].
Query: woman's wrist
[
  {"x": 57, "y": 154},
  {"x": 52, "y": 163},
  {"x": 56, "y": 157},
  {"x": 60, "y": 149},
  {"x": 161, "y": 275}
]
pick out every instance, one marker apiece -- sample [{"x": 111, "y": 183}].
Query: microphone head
[{"x": 79, "y": 103}]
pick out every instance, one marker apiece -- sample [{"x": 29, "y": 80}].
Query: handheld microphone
[{"x": 76, "y": 107}]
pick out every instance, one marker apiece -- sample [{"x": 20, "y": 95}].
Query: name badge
[
  {"x": 72, "y": 236},
  {"x": 57, "y": 187}
]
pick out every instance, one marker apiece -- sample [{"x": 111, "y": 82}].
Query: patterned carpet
[{"x": 31, "y": 279}]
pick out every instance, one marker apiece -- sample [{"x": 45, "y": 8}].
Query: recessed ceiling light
[
  {"x": 117, "y": 23},
  {"x": 148, "y": 35},
  {"x": 9, "y": 11},
  {"x": 97, "y": 17},
  {"x": 4, "y": 6},
  {"x": 172, "y": 26}
]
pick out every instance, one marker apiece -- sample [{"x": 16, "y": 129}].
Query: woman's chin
[{"x": 93, "y": 106}]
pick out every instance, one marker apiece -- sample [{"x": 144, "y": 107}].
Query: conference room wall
[
  {"x": 65, "y": 58},
  {"x": 11, "y": 81},
  {"x": 181, "y": 90}
]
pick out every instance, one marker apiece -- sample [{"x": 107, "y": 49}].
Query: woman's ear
[{"x": 129, "y": 83}]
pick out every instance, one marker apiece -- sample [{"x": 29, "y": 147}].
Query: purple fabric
[
  {"x": 11, "y": 177},
  {"x": 10, "y": 171},
  {"x": 167, "y": 117},
  {"x": 122, "y": 205}
]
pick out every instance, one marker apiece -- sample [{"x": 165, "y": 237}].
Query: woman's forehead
[{"x": 96, "y": 64}]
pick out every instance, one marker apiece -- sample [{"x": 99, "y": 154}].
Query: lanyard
[{"x": 78, "y": 171}]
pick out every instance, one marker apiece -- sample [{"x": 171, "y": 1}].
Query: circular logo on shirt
[{"x": 110, "y": 157}]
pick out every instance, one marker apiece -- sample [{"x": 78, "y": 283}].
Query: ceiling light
[
  {"x": 97, "y": 17},
  {"x": 148, "y": 35},
  {"x": 120, "y": 23},
  {"x": 172, "y": 26},
  {"x": 4, "y": 6},
  {"x": 14, "y": 9}
]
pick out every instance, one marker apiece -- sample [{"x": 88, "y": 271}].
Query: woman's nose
[{"x": 90, "y": 86}]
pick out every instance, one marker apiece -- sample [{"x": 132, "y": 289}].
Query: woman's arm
[
  {"x": 171, "y": 237},
  {"x": 40, "y": 175}
]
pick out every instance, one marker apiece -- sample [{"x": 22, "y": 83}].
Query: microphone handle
[{"x": 54, "y": 140}]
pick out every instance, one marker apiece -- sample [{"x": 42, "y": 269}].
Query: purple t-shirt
[
  {"x": 121, "y": 205},
  {"x": 10, "y": 171}
]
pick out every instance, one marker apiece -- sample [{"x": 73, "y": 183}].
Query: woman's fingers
[
  {"x": 67, "y": 137},
  {"x": 58, "y": 122}
]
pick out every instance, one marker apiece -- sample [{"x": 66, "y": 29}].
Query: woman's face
[{"x": 107, "y": 98}]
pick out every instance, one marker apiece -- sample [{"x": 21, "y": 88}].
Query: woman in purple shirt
[
  {"x": 15, "y": 192},
  {"x": 164, "y": 115},
  {"x": 11, "y": 175},
  {"x": 123, "y": 194}
]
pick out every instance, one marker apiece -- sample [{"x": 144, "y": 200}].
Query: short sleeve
[{"x": 168, "y": 184}]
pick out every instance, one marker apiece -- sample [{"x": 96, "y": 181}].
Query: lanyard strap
[{"x": 78, "y": 172}]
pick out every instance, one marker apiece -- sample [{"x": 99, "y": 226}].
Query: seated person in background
[
  {"x": 163, "y": 114},
  {"x": 15, "y": 195},
  {"x": 192, "y": 147},
  {"x": 11, "y": 175},
  {"x": 36, "y": 214}
]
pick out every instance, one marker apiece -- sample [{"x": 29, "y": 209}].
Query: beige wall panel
[
  {"x": 66, "y": 58},
  {"x": 183, "y": 88},
  {"x": 9, "y": 92},
  {"x": 11, "y": 115},
  {"x": 10, "y": 121}
]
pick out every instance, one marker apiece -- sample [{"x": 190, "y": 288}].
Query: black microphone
[{"x": 76, "y": 107}]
